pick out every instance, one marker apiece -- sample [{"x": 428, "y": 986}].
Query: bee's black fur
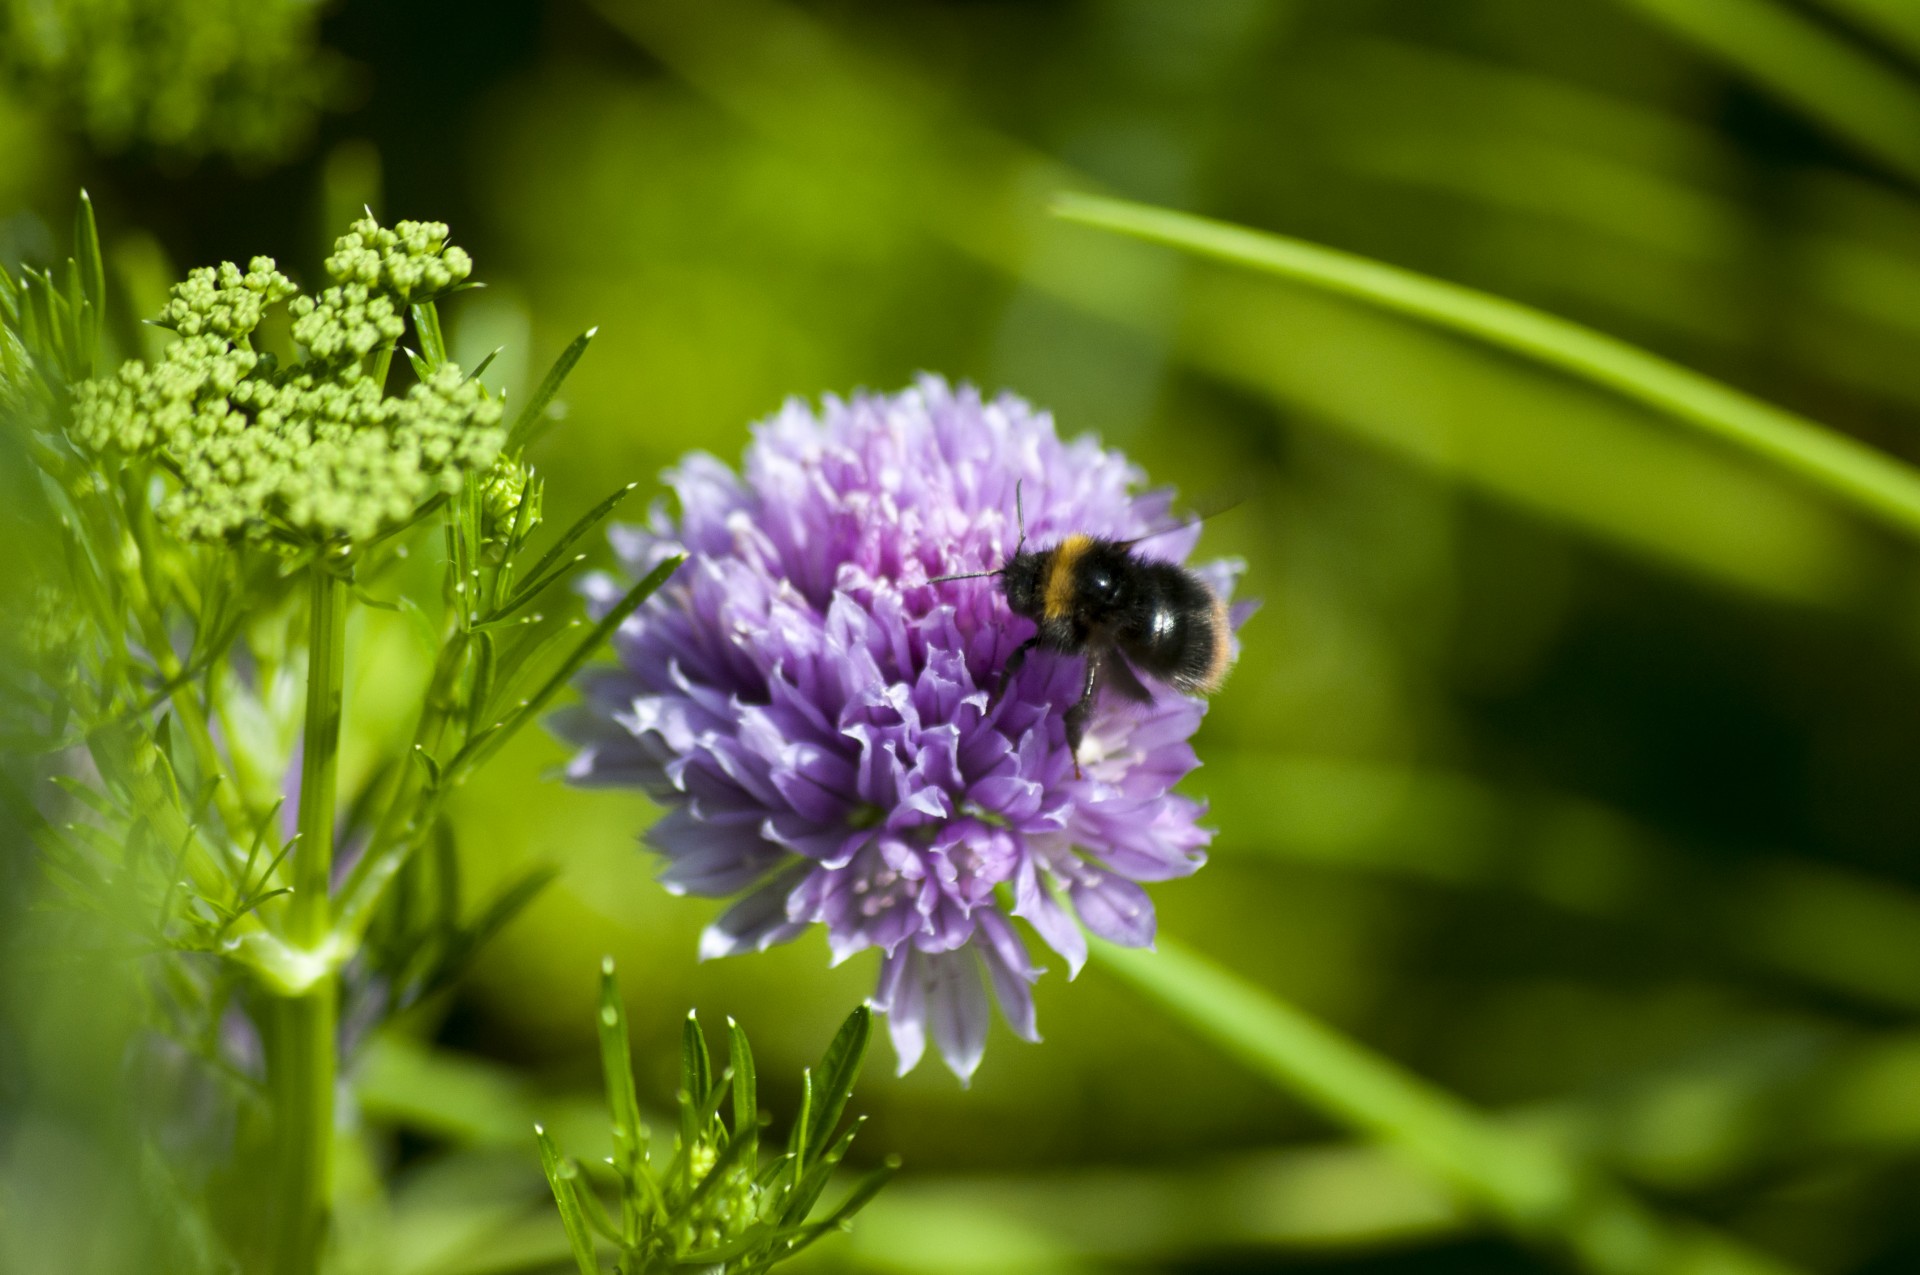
[{"x": 1125, "y": 613}]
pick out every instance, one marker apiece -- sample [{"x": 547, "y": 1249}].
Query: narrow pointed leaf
[
  {"x": 746, "y": 1085},
  {"x": 570, "y": 537},
  {"x": 479, "y": 749},
  {"x": 426, "y": 326},
  {"x": 616, "y": 1062},
  {"x": 562, "y": 1178},
  {"x": 530, "y": 423},
  {"x": 838, "y": 1070}
]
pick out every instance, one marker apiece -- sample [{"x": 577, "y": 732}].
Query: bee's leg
[
  {"x": 1076, "y": 717},
  {"x": 1012, "y": 667}
]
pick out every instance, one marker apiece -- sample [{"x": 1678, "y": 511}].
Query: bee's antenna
[{"x": 1020, "y": 516}]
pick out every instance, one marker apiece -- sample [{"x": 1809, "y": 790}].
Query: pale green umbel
[{"x": 318, "y": 447}]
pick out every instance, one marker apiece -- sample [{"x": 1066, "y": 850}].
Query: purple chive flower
[{"x": 818, "y": 720}]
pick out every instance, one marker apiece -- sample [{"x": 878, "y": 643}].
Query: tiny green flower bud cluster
[
  {"x": 412, "y": 261},
  {"x": 346, "y": 323},
  {"x": 505, "y": 488},
  {"x": 318, "y": 447},
  {"x": 224, "y": 301}
]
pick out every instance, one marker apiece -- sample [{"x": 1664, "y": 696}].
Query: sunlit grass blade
[
  {"x": 563, "y": 1178},
  {"x": 1865, "y": 478},
  {"x": 1852, "y": 93},
  {"x": 1537, "y": 1191},
  {"x": 857, "y": 1199},
  {"x": 530, "y": 423}
]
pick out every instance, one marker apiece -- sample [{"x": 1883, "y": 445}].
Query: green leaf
[
  {"x": 530, "y": 424},
  {"x": 838, "y": 1070},
  {"x": 538, "y": 577},
  {"x": 616, "y": 1063},
  {"x": 484, "y": 364},
  {"x": 746, "y": 1085},
  {"x": 426, "y": 325},
  {"x": 857, "y": 1199},
  {"x": 422, "y": 367},
  {"x": 696, "y": 1080},
  {"x": 480, "y": 748},
  {"x": 1867, "y": 479},
  {"x": 563, "y": 1179}
]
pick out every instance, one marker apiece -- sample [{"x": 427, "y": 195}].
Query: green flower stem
[
  {"x": 1871, "y": 481},
  {"x": 1538, "y": 1191},
  {"x": 300, "y": 1052},
  {"x": 320, "y": 755}
]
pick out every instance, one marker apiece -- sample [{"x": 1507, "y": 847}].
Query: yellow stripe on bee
[{"x": 1058, "y": 600}]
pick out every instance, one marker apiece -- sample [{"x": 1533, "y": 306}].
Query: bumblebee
[{"x": 1127, "y": 614}]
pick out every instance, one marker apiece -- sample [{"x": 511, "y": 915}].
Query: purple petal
[
  {"x": 957, "y": 1010},
  {"x": 757, "y": 922},
  {"x": 901, "y": 996},
  {"x": 1033, "y": 903},
  {"x": 1010, "y": 971},
  {"x": 1112, "y": 907}
]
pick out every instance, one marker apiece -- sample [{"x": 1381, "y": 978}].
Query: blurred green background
[{"x": 1571, "y": 759}]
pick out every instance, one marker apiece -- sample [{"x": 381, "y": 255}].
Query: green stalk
[{"x": 300, "y": 1055}]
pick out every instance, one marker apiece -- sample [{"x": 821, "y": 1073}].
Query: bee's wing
[
  {"x": 1213, "y": 508},
  {"x": 1117, "y": 675}
]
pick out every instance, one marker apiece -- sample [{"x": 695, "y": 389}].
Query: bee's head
[{"x": 1024, "y": 578}]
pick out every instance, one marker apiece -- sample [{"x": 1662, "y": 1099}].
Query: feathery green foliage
[
  {"x": 720, "y": 1201},
  {"x": 222, "y": 509}
]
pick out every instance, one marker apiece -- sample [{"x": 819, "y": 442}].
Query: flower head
[{"x": 820, "y": 724}]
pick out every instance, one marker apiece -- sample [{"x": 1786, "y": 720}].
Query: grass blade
[
  {"x": 1537, "y": 1191},
  {"x": 1867, "y": 479},
  {"x": 696, "y": 1081},
  {"x": 1855, "y": 95}
]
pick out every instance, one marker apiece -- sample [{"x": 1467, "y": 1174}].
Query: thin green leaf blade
[
  {"x": 93, "y": 274},
  {"x": 536, "y": 575},
  {"x": 1865, "y": 478},
  {"x": 530, "y": 423},
  {"x": 839, "y": 1069},
  {"x": 481, "y": 748},
  {"x": 563, "y": 1179},
  {"x": 696, "y": 1079},
  {"x": 616, "y": 1063},
  {"x": 746, "y": 1085}
]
